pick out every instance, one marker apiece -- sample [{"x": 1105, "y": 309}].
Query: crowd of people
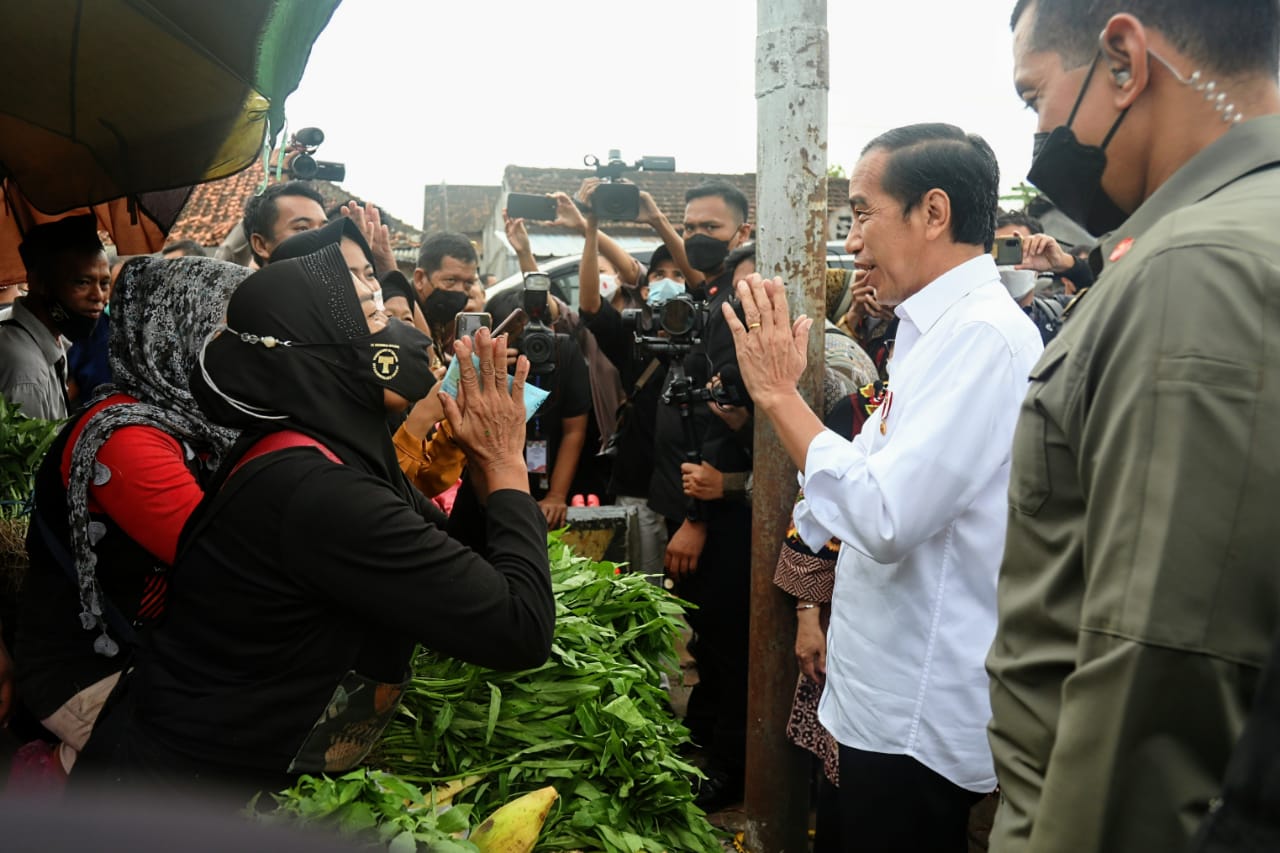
[{"x": 1030, "y": 551}]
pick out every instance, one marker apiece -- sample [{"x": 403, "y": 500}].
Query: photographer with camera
[
  {"x": 1038, "y": 252},
  {"x": 631, "y": 442},
  {"x": 555, "y": 435},
  {"x": 686, "y": 432}
]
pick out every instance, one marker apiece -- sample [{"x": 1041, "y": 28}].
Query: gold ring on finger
[{"x": 752, "y": 326}]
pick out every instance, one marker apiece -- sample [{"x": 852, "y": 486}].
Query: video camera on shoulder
[
  {"x": 615, "y": 201},
  {"x": 538, "y": 341},
  {"x": 301, "y": 164}
]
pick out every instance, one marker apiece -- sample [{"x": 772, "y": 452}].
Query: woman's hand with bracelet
[{"x": 811, "y": 641}]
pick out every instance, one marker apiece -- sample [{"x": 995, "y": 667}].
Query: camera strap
[{"x": 643, "y": 380}]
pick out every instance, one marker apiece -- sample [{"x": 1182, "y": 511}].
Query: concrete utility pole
[{"x": 791, "y": 214}]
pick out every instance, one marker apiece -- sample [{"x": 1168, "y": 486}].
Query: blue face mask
[{"x": 662, "y": 290}]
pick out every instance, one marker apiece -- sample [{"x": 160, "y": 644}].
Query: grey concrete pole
[{"x": 791, "y": 227}]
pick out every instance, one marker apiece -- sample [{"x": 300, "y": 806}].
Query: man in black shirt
[
  {"x": 709, "y": 555},
  {"x": 555, "y": 435}
]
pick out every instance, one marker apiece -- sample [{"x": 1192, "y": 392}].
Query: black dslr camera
[
  {"x": 674, "y": 326},
  {"x": 302, "y": 166},
  {"x": 621, "y": 202},
  {"x": 538, "y": 341}
]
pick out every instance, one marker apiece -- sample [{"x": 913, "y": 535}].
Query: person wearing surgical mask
[
  {"x": 1020, "y": 280},
  {"x": 313, "y": 569}
]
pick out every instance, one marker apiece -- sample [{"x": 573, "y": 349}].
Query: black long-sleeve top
[{"x": 295, "y": 608}]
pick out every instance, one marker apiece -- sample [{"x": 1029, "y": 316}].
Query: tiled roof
[
  {"x": 214, "y": 209},
  {"x": 667, "y": 189},
  {"x": 467, "y": 207}
]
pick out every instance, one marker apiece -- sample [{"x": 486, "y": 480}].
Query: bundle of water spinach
[{"x": 594, "y": 721}]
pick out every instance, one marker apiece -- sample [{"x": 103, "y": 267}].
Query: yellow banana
[
  {"x": 514, "y": 827},
  {"x": 446, "y": 792}
]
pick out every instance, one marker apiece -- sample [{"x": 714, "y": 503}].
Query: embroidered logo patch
[
  {"x": 386, "y": 363},
  {"x": 1122, "y": 248}
]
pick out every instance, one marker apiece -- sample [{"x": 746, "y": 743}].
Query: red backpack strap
[{"x": 282, "y": 440}]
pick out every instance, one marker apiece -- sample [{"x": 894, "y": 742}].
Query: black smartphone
[
  {"x": 469, "y": 322},
  {"x": 1008, "y": 251},
  {"x": 538, "y": 208}
]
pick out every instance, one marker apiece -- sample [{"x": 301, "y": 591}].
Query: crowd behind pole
[{"x": 1030, "y": 568}]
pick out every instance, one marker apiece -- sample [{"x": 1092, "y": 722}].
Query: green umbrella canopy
[{"x": 109, "y": 98}]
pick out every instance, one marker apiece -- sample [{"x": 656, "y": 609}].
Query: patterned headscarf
[{"x": 161, "y": 311}]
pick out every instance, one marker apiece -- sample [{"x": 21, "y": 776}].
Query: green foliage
[
  {"x": 379, "y": 808},
  {"x": 23, "y": 444},
  {"x": 835, "y": 170},
  {"x": 1019, "y": 196}
]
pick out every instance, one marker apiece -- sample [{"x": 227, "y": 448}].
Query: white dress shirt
[{"x": 920, "y": 509}]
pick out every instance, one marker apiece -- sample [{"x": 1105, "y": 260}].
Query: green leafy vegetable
[
  {"x": 379, "y": 808},
  {"x": 594, "y": 721}
]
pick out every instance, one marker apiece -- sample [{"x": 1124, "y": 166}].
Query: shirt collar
[
  {"x": 925, "y": 307},
  {"x": 50, "y": 344},
  {"x": 1246, "y": 148}
]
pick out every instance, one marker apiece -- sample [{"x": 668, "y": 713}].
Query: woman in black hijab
[{"x": 310, "y": 572}]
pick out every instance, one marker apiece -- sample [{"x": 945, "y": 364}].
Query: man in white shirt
[{"x": 918, "y": 498}]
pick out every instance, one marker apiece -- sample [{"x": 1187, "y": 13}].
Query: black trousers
[
  {"x": 894, "y": 804},
  {"x": 721, "y": 589}
]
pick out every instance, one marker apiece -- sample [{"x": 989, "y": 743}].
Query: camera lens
[
  {"x": 677, "y": 317},
  {"x": 538, "y": 346},
  {"x": 303, "y": 167}
]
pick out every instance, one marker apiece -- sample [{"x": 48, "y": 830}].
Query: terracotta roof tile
[
  {"x": 467, "y": 207},
  {"x": 215, "y": 208}
]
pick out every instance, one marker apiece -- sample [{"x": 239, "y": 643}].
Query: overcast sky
[{"x": 415, "y": 92}]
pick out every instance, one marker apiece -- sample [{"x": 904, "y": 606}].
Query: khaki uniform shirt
[
  {"x": 33, "y": 365},
  {"x": 1140, "y": 589}
]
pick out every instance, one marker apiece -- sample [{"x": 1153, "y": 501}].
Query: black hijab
[{"x": 292, "y": 358}]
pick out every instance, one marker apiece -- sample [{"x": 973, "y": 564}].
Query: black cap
[
  {"x": 72, "y": 233},
  {"x": 660, "y": 254}
]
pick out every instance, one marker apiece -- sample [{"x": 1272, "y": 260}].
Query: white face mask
[
  {"x": 608, "y": 286},
  {"x": 1018, "y": 282}
]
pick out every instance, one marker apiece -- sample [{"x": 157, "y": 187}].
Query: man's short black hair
[
  {"x": 735, "y": 198},
  {"x": 260, "y": 210},
  {"x": 42, "y": 244},
  {"x": 445, "y": 244},
  {"x": 924, "y": 157},
  {"x": 1018, "y": 218},
  {"x": 1228, "y": 37},
  {"x": 189, "y": 248}
]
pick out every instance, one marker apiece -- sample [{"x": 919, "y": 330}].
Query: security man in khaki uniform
[{"x": 1140, "y": 589}]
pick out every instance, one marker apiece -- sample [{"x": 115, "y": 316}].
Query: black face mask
[
  {"x": 398, "y": 359},
  {"x": 1070, "y": 173},
  {"x": 706, "y": 253},
  {"x": 441, "y": 307},
  {"x": 72, "y": 326}
]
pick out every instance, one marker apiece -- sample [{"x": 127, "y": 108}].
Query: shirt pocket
[{"x": 1030, "y": 484}]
